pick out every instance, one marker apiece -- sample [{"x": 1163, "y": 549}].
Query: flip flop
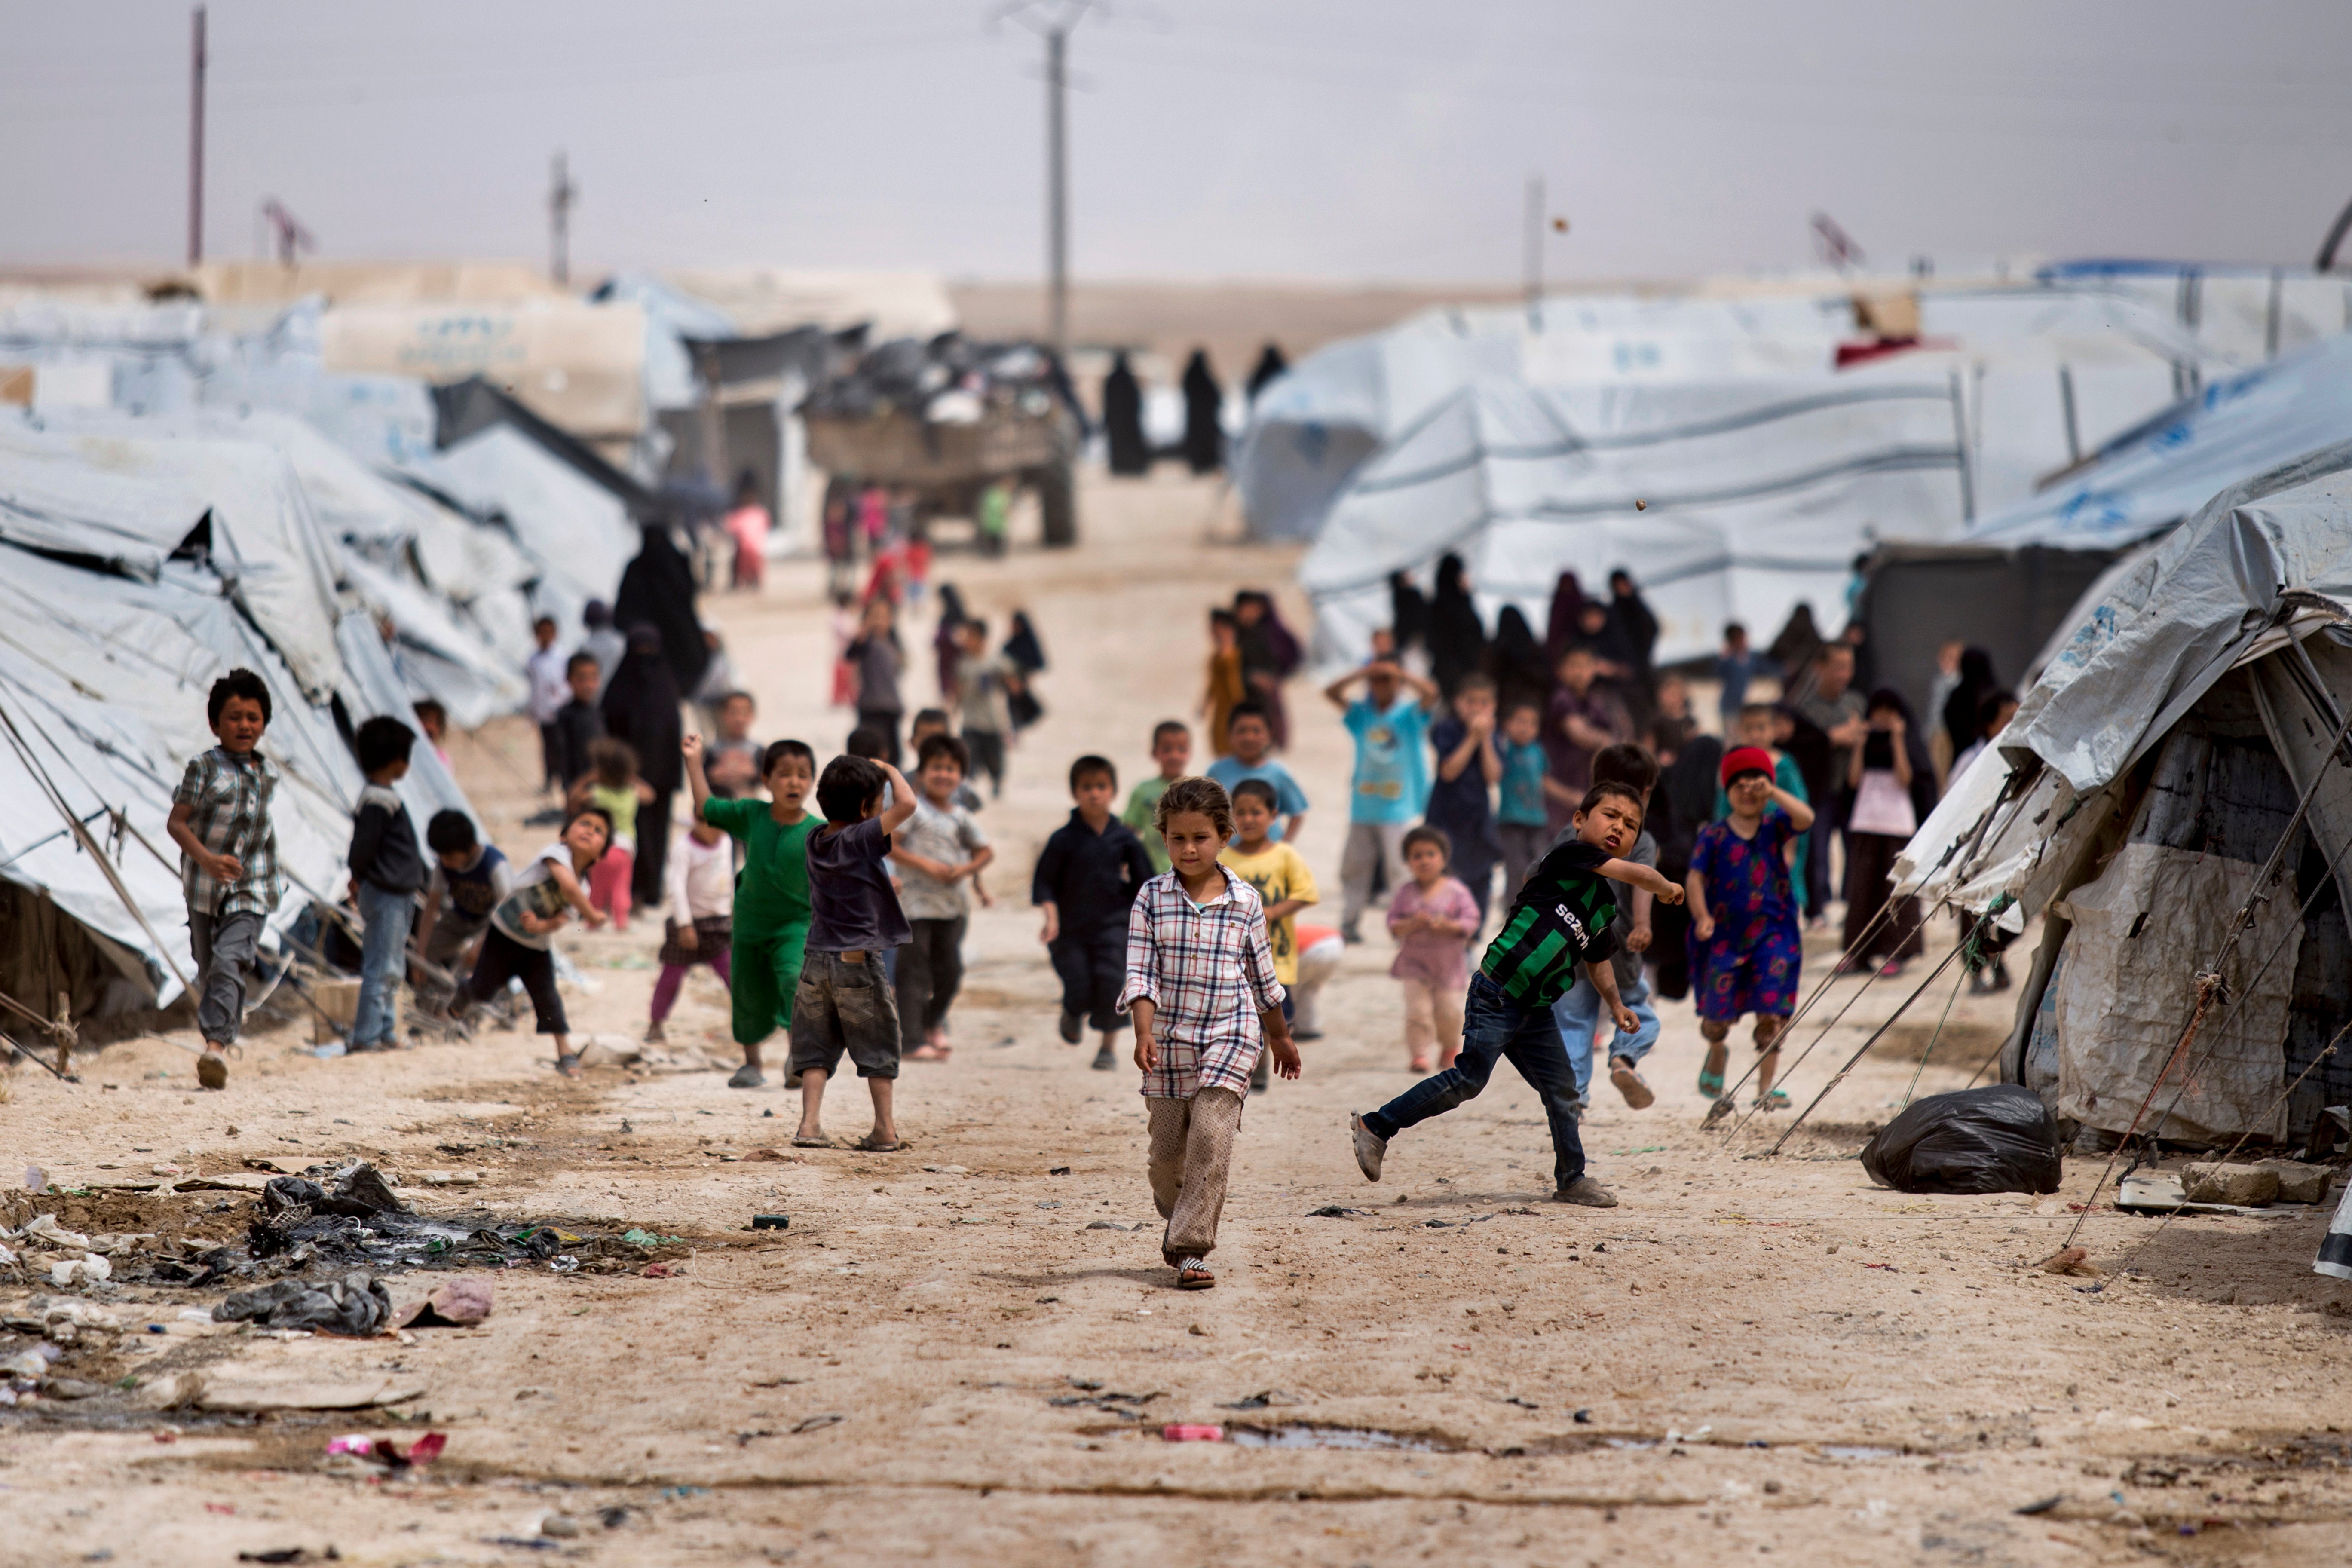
[
  {"x": 1710, "y": 1086},
  {"x": 1775, "y": 1101},
  {"x": 811, "y": 1140},
  {"x": 868, "y": 1145},
  {"x": 1629, "y": 1084}
]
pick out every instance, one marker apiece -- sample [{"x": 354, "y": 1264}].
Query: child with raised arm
[
  {"x": 1390, "y": 786},
  {"x": 767, "y": 941},
  {"x": 544, "y": 896},
  {"x": 1201, "y": 987},
  {"x": 844, "y": 1004},
  {"x": 1746, "y": 951},
  {"x": 938, "y": 851},
  {"x": 1557, "y": 926},
  {"x": 229, "y": 867}
]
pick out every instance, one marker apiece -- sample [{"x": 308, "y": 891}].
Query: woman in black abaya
[
  {"x": 1122, "y": 412},
  {"x": 641, "y": 706},
  {"x": 1205, "y": 432},
  {"x": 1457, "y": 639}
]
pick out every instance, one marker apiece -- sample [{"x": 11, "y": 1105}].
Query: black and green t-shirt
[{"x": 1560, "y": 921}]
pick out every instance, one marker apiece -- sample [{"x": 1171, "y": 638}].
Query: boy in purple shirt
[{"x": 844, "y": 1001}]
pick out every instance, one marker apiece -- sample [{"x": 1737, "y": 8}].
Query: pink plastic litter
[{"x": 1184, "y": 1434}]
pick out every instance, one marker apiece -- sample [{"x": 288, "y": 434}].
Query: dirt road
[{"x": 966, "y": 1353}]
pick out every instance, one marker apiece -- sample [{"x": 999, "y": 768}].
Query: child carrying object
[
  {"x": 1278, "y": 873},
  {"x": 1746, "y": 949},
  {"x": 1557, "y": 926},
  {"x": 844, "y": 1006},
  {"x": 519, "y": 944},
  {"x": 388, "y": 871},
  {"x": 1201, "y": 987},
  {"x": 1432, "y": 918},
  {"x": 470, "y": 879},
  {"x": 700, "y": 889}
]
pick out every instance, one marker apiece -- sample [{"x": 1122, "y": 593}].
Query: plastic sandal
[
  {"x": 1775, "y": 1101},
  {"x": 1710, "y": 1086}
]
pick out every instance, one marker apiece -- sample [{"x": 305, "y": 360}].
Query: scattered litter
[
  {"x": 946, "y": 1170},
  {"x": 2043, "y": 1506},
  {"x": 458, "y": 1303},
  {"x": 385, "y": 1451},
  {"x": 2069, "y": 1260},
  {"x": 450, "y": 1178},
  {"x": 287, "y": 1553},
  {"x": 1265, "y": 1398},
  {"x": 1997, "y": 1139},
  {"x": 1302, "y": 1435},
  {"x": 1522, "y": 1403},
  {"x": 818, "y": 1423},
  {"x": 656, "y": 1272},
  {"x": 1058, "y": 1170},
  {"x": 1855, "y": 1451},
  {"x": 1181, "y": 1433},
  {"x": 357, "y": 1304},
  {"x": 1584, "y": 1419},
  {"x": 1050, "y": 1204},
  {"x": 1107, "y": 1225},
  {"x": 1335, "y": 1211},
  {"x": 636, "y": 1237},
  {"x": 771, "y": 1222},
  {"x": 72, "y": 1388}
]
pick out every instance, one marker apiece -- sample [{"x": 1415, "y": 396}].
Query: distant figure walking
[
  {"x": 1270, "y": 365},
  {"x": 1205, "y": 432},
  {"x": 1122, "y": 412},
  {"x": 748, "y": 522}
]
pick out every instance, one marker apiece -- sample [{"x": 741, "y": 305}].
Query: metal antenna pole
[
  {"x": 196, "y": 138},
  {"x": 1057, "y": 188},
  {"x": 561, "y": 193}
]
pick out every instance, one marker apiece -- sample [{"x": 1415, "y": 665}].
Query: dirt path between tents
[{"x": 967, "y": 1351}]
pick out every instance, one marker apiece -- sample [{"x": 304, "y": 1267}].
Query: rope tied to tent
[{"x": 2209, "y": 986}]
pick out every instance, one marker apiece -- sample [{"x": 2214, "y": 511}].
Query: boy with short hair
[
  {"x": 1520, "y": 820},
  {"x": 579, "y": 723},
  {"x": 984, "y": 685},
  {"x": 229, "y": 860},
  {"x": 469, "y": 879},
  {"x": 549, "y": 691},
  {"x": 930, "y": 722},
  {"x": 1278, "y": 872},
  {"x": 387, "y": 873},
  {"x": 1557, "y": 924},
  {"x": 767, "y": 941},
  {"x": 1249, "y": 735},
  {"x": 1171, "y": 748},
  {"x": 843, "y": 1004},
  {"x": 731, "y": 762},
  {"x": 1746, "y": 951},
  {"x": 1391, "y": 724},
  {"x": 938, "y": 848},
  {"x": 1578, "y": 1012},
  {"x": 519, "y": 945},
  {"x": 1086, "y": 880}
]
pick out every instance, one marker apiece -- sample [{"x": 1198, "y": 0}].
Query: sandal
[
  {"x": 568, "y": 1064},
  {"x": 869, "y": 1144},
  {"x": 1629, "y": 1084},
  {"x": 1192, "y": 1274},
  {"x": 1775, "y": 1101},
  {"x": 811, "y": 1140},
  {"x": 1710, "y": 1086},
  {"x": 212, "y": 1071}
]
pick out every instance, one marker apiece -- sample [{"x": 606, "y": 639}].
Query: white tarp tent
[{"x": 2222, "y": 659}]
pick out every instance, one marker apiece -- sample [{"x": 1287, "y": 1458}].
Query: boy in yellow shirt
[{"x": 1284, "y": 886}]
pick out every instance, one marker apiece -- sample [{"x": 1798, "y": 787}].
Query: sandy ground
[{"x": 957, "y": 1355}]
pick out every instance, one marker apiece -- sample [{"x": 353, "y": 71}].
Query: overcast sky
[{"x": 1346, "y": 138}]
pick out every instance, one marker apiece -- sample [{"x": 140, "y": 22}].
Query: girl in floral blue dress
[{"x": 1745, "y": 947}]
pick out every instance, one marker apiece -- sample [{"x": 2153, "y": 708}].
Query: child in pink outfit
[{"x": 1432, "y": 916}]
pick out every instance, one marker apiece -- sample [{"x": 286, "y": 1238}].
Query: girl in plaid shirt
[{"x": 1201, "y": 987}]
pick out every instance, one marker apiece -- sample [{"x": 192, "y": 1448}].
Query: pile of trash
[{"x": 948, "y": 380}]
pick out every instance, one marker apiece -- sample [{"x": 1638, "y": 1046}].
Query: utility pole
[
  {"x": 1533, "y": 243},
  {"x": 196, "y": 138},
  {"x": 1054, "y": 21},
  {"x": 561, "y": 193}
]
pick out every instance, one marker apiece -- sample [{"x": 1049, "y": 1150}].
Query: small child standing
[
  {"x": 1557, "y": 925},
  {"x": 985, "y": 687},
  {"x": 926, "y": 723},
  {"x": 520, "y": 943},
  {"x": 1746, "y": 950},
  {"x": 1249, "y": 739},
  {"x": 844, "y": 1003},
  {"x": 549, "y": 689},
  {"x": 1086, "y": 880},
  {"x": 771, "y": 896},
  {"x": 1278, "y": 873},
  {"x": 731, "y": 762},
  {"x": 1519, "y": 819},
  {"x": 699, "y": 888},
  {"x": 938, "y": 848},
  {"x": 1201, "y": 987},
  {"x": 613, "y": 787},
  {"x": 387, "y": 873},
  {"x": 1171, "y": 748},
  {"x": 1432, "y": 918},
  {"x": 1391, "y": 785},
  {"x": 579, "y": 723},
  {"x": 228, "y": 865},
  {"x": 470, "y": 879}
]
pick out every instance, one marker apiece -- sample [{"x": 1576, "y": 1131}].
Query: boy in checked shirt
[
  {"x": 1201, "y": 987},
  {"x": 228, "y": 860}
]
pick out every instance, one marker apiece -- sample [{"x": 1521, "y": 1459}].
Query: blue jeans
[
  {"x": 1577, "y": 1014},
  {"x": 1495, "y": 1028},
  {"x": 384, "y": 958}
]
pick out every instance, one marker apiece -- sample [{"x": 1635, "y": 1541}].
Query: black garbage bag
[
  {"x": 360, "y": 1191},
  {"x": 355, "y": 1304},
  {"x": 1998, "y": 1138}
]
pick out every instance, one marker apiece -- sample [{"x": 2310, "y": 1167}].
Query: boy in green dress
[{"x": 772, "y": 896}]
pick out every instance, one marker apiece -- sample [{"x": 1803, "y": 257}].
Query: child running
[
  {"x": 935, "y": 853},
  {"x": 1432, "y": 918},
  {"x": 843, "y": 1005},
  {"x": 612, "y": 786},
  {"x": 699, "y": 885},
  {"x": 388, "y": 871},
  {"x": 1557, "y": 924},
  {"x": 470, "y": 879},
  {"x": 765, "y": 947},
  {"x": 1744, "y": 922},
  {"x": 1278, "y": 873},
  {"x": 1201, "y": 987},
  {"x": 1086, "y": 880},
  {"x": 546, "y": 894},
  {"x": 1171, "y": 748},
  {"x": 229, "y": 867}
]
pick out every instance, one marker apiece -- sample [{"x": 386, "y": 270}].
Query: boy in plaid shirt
[
  {"x": 228, "y": 865},
  {"x": 1201, "y": 987}
]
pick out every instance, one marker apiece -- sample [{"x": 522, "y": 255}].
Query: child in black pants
[{"x": 1087, "y": 879}]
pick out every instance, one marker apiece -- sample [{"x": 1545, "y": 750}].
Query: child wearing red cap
[{"x": 1745, "y": 947}]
